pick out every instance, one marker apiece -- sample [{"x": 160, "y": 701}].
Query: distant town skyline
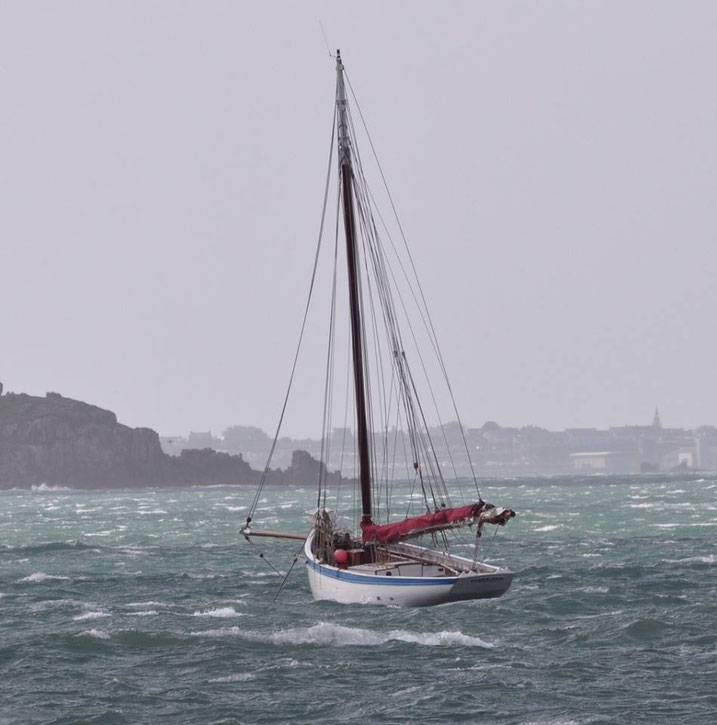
[{"x": 495, "y": 450}]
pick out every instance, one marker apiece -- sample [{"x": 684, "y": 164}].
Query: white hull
[{"x": 408, "y": 585}]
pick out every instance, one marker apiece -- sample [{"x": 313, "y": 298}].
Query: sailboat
[{"x": 387, "y": 558}]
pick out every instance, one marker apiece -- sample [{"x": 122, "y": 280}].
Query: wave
[
  {"x": 645, "y": 628},
  {"x": 40, "y": 576},
  {"x": 709, "y": 559},
  {"x": 238, "y": 677},
  {"x": 46, "y": 488},
  {"x": 326, "y": 634},
  {"x": 219, "y": 612},
  {"x": 90, "y": 615},
  {"x": 143, "y": 613},
  {"x": 96, "y": 633},
  {"x": 45, "y": 547}
]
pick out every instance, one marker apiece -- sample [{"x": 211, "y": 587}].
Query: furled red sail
[{"x": 485, "y": 513}]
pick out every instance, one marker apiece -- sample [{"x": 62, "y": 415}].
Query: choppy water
[{"x": 145, "y": 606}]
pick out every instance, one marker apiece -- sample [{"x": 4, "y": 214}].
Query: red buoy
[{"x": 341, "y": 557}]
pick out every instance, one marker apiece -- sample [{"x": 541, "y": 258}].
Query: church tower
[{"x": 656, "y": 422}]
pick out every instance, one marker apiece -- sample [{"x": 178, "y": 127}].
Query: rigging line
[
  {"x": 368, "y": 398},
  {"x": 409, "y": 480},
  {"x": 381, "y": 264},
  {"x": 345, "y": 426},
  {"x": 490, "y": 544},
  {"x": 330, "y": 405},
  {"x": 328, "y": 47},
  {"x": 429, "y": 441},
  {"x": 380, "y": 389},
  {"x": 418, "y": 282},
  {"x": 328, "y": 382},
  {"x": 391, "y": 466},
  {"x": 303, "y": 323},
  {"x": 387, "y": 305},
  {"x": 348, "y": 383},
  {"x": 391, "y": 476},
  {"x": 365, "y": 233},
  {"x": 286, "y": 576},
  {"x": 262, "y": 557},
  {"x": 328, "y": 387}
]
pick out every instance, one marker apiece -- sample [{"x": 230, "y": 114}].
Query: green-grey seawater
[{"x": 148, "y": 607}]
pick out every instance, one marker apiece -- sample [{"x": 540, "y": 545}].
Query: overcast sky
[{"x": 554, "y": 165}]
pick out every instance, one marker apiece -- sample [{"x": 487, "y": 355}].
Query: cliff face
[
  {"x": 64, "y": 442},
  {"x": 60, "y": 441}
]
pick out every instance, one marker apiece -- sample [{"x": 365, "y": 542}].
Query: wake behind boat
[{"x": 400, "y": 560}]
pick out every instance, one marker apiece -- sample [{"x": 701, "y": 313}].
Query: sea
[{"x": 147, "y": 606}]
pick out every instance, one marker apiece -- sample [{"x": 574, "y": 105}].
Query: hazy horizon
[{"x": 554, "y": 165}]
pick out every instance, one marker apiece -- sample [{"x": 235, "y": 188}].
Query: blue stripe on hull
[{"x": 343, "y": 575}]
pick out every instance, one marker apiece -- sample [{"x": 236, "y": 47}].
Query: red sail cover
[{"x": 414, "y": 525}]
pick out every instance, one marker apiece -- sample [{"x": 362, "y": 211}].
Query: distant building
[
  {"x": 681, "y": 458},
  {"x": 591, "y": 461},
  {"x": 656, "y": 422},
  {"x": 604, "y": 462},
  {"x": 202, "y": 440}
]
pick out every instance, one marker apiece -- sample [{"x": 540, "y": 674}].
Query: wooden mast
[{"x": 346, "y": 169}]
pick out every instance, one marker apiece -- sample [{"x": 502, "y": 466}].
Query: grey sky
[{"x": 554, "y": 165}]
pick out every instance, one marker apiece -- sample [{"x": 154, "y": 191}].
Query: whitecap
[
  {"x": 709, "y": 559},
  {"x": 238, "y": 677},
  {"x": 549, "y": 527},
  {"x": 326, "y": 634},
  {"x": 40, "y": 576},
  {"x": 219, "y": 612},
  {"x": 143, "y": 613},
  {"x": 96, "y": 633},
  {"x": 90, "y": 615},
  {"x": 150, "y": 603},
  {"x": 45, "y": 488}
]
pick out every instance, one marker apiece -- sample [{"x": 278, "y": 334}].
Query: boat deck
[{"x": 404, "y": 568}]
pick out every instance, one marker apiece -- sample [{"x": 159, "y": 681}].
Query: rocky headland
[{"x": 58, "y": 441}]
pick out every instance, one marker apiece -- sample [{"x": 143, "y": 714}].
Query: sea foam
[
  {"x": 40, "y": 576},
  {"x": 326, "y": 634},
  {"x": 90, "y": 615},
  {"x": 219, "y": 612},
  {"x": 45, "y": 488},
  {"x": 96, "y": 633},
  {"x": 238, "y": 677}
]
